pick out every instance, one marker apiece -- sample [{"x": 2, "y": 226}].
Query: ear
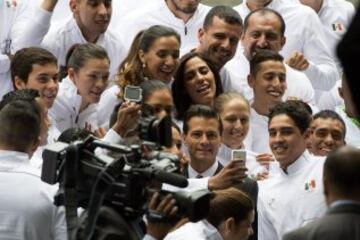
[
  {"x": 282, "y": 42},
  {"x": 201, "y": 33},
  {"x": 71, "y": 75},
  {"x": 73, "y": 6},
  {"x": 250, "y": 80},
  {"x": 340, "y": 91},
  {"x": 35, "y": 144},
  {"x": 183, "y": 136},
  {"x": 307, "y": 133},
  {"x": 141, "y": 55},
  {"x": 229, "y": 225},
  {"x": 19, "y": 83}
]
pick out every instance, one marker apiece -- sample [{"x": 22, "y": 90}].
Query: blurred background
[{"x": 237, "y": 2}]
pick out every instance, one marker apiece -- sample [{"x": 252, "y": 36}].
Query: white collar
[
  {"x": 210, "y": 231},
  {"x": 207, "y": 173},
  {"x": 13, "y": 157},
  {"x": 100, "y": 39},
  {"x": 298, "y": 164}
]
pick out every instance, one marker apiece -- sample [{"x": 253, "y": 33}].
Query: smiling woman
[
  {"x": 196, "y": 82},
  {"x": 87, "y": 67}
]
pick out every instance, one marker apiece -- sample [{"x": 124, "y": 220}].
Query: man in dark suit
[{"x": 342, "y": 191}]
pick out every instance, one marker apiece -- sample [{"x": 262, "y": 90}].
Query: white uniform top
[
  {"x": 106, "y": 105},
  {"x": 13, "y": 15},
  {"x": 290, "y": 200},
  {"x": 65, "y": 110},
  {"x": 260, "y": 134},
  {"x": 298, "y": 84},
  {"x": 306, "y": 37},
  {"x": 59, "y": 41},
  {"x": 335, "y": 16},
  {"x": 161, "y": 15},
  {"x": 352, "y": 136},
  {"x": 200, "y": 230},
  {"x": 26, "y": 203}
]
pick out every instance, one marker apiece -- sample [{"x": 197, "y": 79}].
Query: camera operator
[{"x": 26, "y": 207}]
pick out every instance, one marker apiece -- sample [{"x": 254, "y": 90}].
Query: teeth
[
  {"x": 275, "y": 94},
  {"x": 203, "y": 88}
]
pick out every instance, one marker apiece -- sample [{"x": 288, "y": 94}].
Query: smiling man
[
  {"x": 267, "y": 79},
  {"x": 327, "y": 132},
  {"x": 218, "y": 39},
  {"x": 293, "y": 197},
  {"x": 89, "y": 24}
]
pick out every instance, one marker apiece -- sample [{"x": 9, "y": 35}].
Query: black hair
[
  {"x": 294, "y": 110},
  {"x": 149, "y": 87},
  {"x": 19, "y": 125},
  {"x": 263, "y": 56},
  {"x": 226, "y": 13},
  {"x": 329, "y": 114},
  {"x": 263, "y": 12},
  {"x": 203, "y": 112}
]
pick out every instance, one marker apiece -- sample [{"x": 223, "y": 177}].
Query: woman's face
[
  {"x": 91, "y": 80},
  {"x": 235, "y": 116},
  {"x": 162, "y": 59},
  {"x": 161, "y": 102},
  {"x": 199, "y": 82}
]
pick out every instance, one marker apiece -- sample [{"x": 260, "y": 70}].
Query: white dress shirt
[
  {"x": 159, "y": 14},
  {"x": 66, "y": 109},
  {"x": 304, "y": 33},
  {"x": 200, "y": 230},
  {"x": 352, "y": 136},
  {"x": 290, "y": 200},
  {"x": 59, "y": 41},
  {"x": 26, "y": 203},
  {"x": 298, "y": 84},
  {"x": 109, "y": 99},
  {"x": 13, "y": 16},
  {"x": 207, "y": 173}
]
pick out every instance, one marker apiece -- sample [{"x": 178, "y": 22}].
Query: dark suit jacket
[{"x": 339, "y": 223}]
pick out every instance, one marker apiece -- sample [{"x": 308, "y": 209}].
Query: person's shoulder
[{"x": 299, "y": 233}]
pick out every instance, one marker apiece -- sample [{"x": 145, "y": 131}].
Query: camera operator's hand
[
  {"x": 230, "y": 175},
  {"x": 167, "y": 208},
  {"x": 127, "y": 118}
]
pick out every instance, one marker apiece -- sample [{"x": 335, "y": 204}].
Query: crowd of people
[{"x": 262, "y": 112}]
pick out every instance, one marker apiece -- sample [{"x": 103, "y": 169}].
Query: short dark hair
[
  {"x": 182, "y": 100},
  {"x": 19, "y": 125},
  {"x": 226, "y": 13},
  {"x": 263, "y": 56},
  {"x": 263, "y": 12},
  {"x": 24, "y": 60},
  {"x": 78, "y": 55},
  {"x": 203, "y": 112},
  {"x": 27, "y": 95},
  {"x": 294, "y": 110},
  {"x": 149, "y": 87},
  {"x": 229, "y": 203},
  {"x": 329, "y": 114},
  {"x": 342, "y": 168}
]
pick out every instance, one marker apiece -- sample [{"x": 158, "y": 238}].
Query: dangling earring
[{"x": 143, "y": 71}]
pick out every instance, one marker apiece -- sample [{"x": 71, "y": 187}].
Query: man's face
[
  {"x": 43, "y": 78},
  {"x": 269, "y": 83},
  {"x": 263, "y": 32},
  {"x": 287, "y": 143},
  {"x": 203, "y": 139},
  {"x": 220, "y": 40},
  {"x": 186, "y": 6},
  {"x": 326, "y": 135},
  {"x": 92, "y": 16},
  {"x": 45, "y": 121}
]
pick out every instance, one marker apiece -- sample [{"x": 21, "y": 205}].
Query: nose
[
  {"x": 162, "y": 113},
  {"x": 225, "y": 44},
  {"x": 103, "y": 9},
  {"x": 170, "y": 61},
  {"x": 262, "y": 42},
  {"x": 204, "y": 139},
  {"x": 329, "y": 140},
  {"x": 53, "y": 83},
  {"x": 238, "y": 124},
  {"x": 251, "y": 231}
]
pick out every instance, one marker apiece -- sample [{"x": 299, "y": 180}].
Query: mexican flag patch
[{"x": 310, "y": 185}]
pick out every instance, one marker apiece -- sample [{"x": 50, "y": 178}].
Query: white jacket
[
  {"x": 304, "y": 33},
  {"x": 65, "y": 111},
  {"x": 161, "y": 15},
  {"x": 37, "y": 33},
  {"x": 13, "y": 16}
]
